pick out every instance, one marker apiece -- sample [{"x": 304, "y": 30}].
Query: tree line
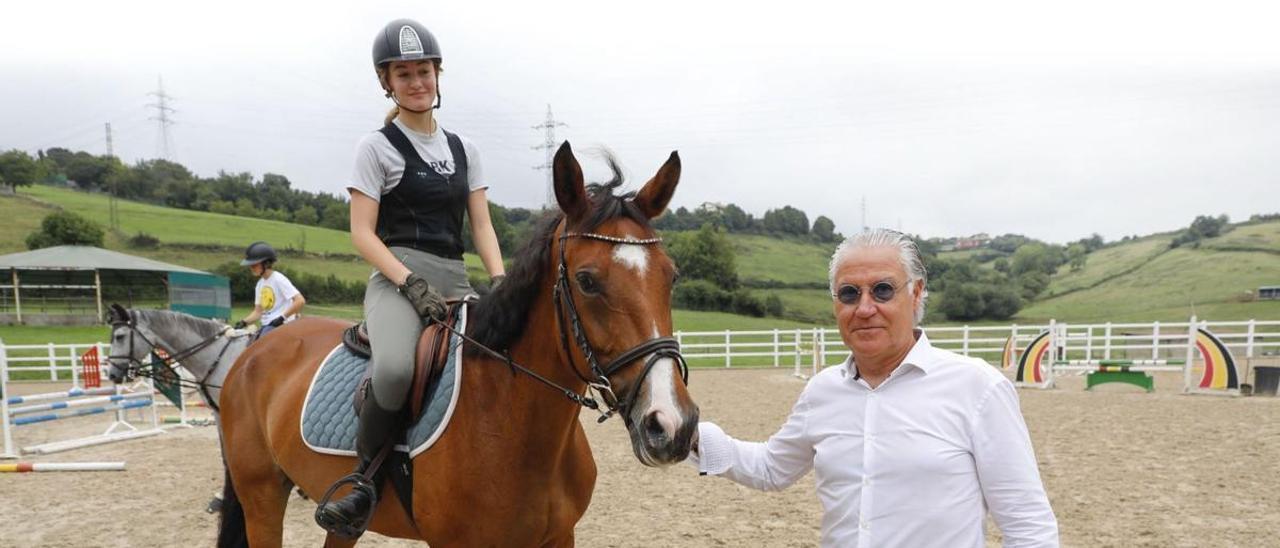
[
  {"x": 171, "y": 184},
  {"x": 783, "y": 221}
]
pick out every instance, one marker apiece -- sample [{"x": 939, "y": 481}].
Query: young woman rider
[{"x": 413, "y": 181}]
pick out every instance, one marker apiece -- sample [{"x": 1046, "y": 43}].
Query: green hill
[
  {"x": 766, "y": 259},
  {"x": 1145, "y": 280},
  {"x": 196, "y": 239},
  {"x": 795, "y": 270},
  {"x": 1138, "y": 280}
]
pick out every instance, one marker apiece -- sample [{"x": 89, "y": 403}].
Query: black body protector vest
[{"x": 424, "y": 211}]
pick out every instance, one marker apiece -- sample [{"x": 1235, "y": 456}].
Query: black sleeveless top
[{"x": 424, "y": 211}]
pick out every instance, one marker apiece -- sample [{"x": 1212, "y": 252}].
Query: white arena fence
[
  {"x": 59, "y": 367},
  {"x": 805, "y": 350},
  {"x": 808, "y": 349},
  {"x": 51, "y": 362}
]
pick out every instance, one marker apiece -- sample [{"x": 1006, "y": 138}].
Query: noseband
[{"x": 656, "y": 349}]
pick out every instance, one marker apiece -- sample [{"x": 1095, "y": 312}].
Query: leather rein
[
  {"x": 136, "y": 367},
  {"x": 568, "y": 319}
]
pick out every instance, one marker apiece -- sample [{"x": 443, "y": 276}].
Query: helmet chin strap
[{"x": 439, "y": 101}]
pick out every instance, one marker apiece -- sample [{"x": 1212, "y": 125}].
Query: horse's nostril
[{"x": 654, "y": 430}]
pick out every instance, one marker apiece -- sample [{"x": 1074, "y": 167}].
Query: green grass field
[
  {"x": 964, "y": 254},
  {"x": 813, "y": 305},
  {"x": 21, "y": 216},
  {"x": 199, "y": 227},
  {"x": 1214, "y": 285},
  {"x": 764, "y": 258},
  {"x": 1107, "y": 263},
  {"x": 1263, "y": 237}
]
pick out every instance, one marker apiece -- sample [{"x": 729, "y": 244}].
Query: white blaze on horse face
[
  {"x": 662, "y": 393},
  {"x": 633, "y": 256}
]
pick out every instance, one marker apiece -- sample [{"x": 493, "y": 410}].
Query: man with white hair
[{"x": 912, "y": 445}]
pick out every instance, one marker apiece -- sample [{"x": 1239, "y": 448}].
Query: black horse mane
[{"x": 501, "y": 316}]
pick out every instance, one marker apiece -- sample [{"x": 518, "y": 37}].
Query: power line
[
  {"x": 549, "y": 143},
  {"x": 162, "y": 116}
]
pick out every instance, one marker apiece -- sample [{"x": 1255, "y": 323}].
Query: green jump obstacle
[
  {"x": 1126, "y": 371},
  {"x": 1119, "y": 373}
]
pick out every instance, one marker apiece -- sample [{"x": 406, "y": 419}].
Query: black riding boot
[{"x": 349, "y": 516}]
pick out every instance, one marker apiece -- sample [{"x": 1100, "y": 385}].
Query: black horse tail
[{"x": 231, "y": 528}]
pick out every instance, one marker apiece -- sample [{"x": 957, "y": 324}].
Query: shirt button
[
  {"x": 866, "y": 526},
  {"x": 866, "y": 482}
]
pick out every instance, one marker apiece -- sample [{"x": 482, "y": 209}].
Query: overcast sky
[{"x": 951, "y": 118}]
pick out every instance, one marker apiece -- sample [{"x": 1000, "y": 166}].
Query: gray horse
[
  {"x": 202, "y": 347},
  {"x": 206, "y": 349}
]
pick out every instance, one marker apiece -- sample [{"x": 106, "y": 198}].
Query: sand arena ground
[{"x": 1122, "y": 468}]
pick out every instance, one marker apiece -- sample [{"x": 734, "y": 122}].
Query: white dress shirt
[{"x": 916, "y": 462}]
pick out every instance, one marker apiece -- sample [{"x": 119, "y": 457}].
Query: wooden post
[
  {"x": 1248, "y": 342},
  {"x": 775, "y": 347},
  {"x": 1106, "y": 343},
  {"x": 1191, "y": 349},
  {"x": 727, "y": 349},
  {"x": 75, "y": 371},
  {"x": 8, "y": 449},
  {"x": 1053, "y": 354},
  {"x": 1013, "y": 335},
  {"x": 1088, "y": 343},
  {"x": 17, "y": 298},
  {"x": 53, "y": 364},
  {"x": 97, "y": 286}
]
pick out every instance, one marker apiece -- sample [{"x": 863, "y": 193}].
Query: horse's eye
[{"x": 587, "y": 283}]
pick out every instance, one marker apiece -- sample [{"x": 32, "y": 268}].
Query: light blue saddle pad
[{"x": 329, "y": 419}]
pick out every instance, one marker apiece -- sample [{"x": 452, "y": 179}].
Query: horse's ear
[
  {"x": 652, "y": 200},
  {"x": 117, "y": 313},
  {"x": 571, "y": 193}
]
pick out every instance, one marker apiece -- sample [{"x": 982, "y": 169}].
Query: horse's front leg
[{"x": 565, "y": 541}]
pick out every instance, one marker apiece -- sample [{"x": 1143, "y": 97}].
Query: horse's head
[
  {"x": 614, "y": 291},
  {"x": 129, "y": 346}
]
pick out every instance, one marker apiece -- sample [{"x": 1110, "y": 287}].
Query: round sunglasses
[{"x": 881, "y": 292}]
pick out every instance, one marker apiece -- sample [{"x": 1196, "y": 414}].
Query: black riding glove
[
  {"x": 279, "y": 321},
  {"x": 428, "y": 302},
  {"x": 240, "y": 324}
]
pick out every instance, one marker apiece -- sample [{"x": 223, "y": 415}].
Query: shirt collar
[{"x": 920, "y": 356}]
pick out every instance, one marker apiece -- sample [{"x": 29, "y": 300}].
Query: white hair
[{"x": 908, "y": 256}]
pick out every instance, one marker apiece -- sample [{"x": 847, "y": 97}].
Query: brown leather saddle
[{"x": 430, "y": 356}]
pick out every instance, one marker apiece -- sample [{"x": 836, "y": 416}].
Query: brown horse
[{"x": 513, "y": 467}]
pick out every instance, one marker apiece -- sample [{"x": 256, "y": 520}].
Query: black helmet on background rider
[
  {"x": 259, "y": 252},
  {"x": 404, "y": 40}
]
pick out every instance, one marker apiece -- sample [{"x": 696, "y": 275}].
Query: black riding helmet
[
  {"x": 257, "y": 253},
  {"x": 405, "y": 40}
]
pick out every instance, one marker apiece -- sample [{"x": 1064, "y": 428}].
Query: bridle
[
  {"x": 170, "y": 360},
  {"x": 657, "y": 348},
  {"x": 661, "y": 347}
]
